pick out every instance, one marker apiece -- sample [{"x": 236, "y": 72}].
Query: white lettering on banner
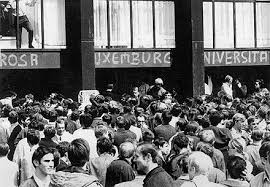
[
  {"x": 125, "y": 56},
  {"x": 135, "y": 58},
  {"x": 34, "y": 60},
  {"x": 115, "y": 58},
  {"x": 232, "y": 58},
  {"x": 3, "y": 60},
  {"x": 12, "y": 60},
  {"x": 147, "y": 59},
  {"x": 106, "y": 58},
  {"x": 157, "y": 57},
  {"x": 132, "y": 59},
  {"x": 167, "y": 58},
  {"x": 24, "y": 62}
]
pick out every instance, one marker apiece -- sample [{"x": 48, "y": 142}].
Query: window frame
[
  {"x": 41, "y": 27},
  {"x": 255, "y": 2},
  {"x": 131, "y": 27}
]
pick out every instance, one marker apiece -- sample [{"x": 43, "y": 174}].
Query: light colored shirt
[
  {"x": 174, "y": 121},
  {"x": 8, "y": 173},
  {"x": 227, "y": 88},
  {"x": 66, "y": 137},
  {"x": 22, "y": 6},
  {"x": 137, "y": 131},
  {"x": 23, "y": 157},
  {"x": 260, "y": 180},
  {"x": 89, "y": 136},
  {"x": 200, "y": 181},
  {"x": 41, "y": 183}
]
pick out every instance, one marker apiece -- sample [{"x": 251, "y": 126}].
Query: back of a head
[
  {"x": 104, "y": 145},
  {"x": 166, "y": 117},
  {"x": 13, "y": 117},
  {"x": 257, "y": 135},
  {"x": 126, "y": 150},
  {"x": 62, "y": 148},
  {"x": 75, "y": 115},
  {"x": 33, "y": 136},
  {"x": 176, "y": 110},
  {"x": 205, "y": 148},
  {"x": 78, "y": 152},
  {"x": 86, "y": 120},
  {"x": 215, "y": 118},
  {"x": 100, "y": 131},
  {"x": 192, "y": 128},
  {"x": 236, "y": 166},
  {"x": 49, "y": 132},
  {"x": 201, "y": 162},
  {"x": 181, "y": 141},
  {"x": 207, "y": 136},
  {"x": 4, "y": 149},
  {"x": 264, "y": 151},
  {"x": 146, "y": 149}
]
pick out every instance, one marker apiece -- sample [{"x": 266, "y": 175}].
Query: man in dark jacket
[
  {"x": 145, "y": 159},
  {"x": 165, "y": 130},
  {"x": 120, "y": 170}
]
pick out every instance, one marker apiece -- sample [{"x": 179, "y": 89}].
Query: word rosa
[{"x": 18, "y": 60}]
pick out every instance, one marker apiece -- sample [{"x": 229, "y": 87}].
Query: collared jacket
[{"x": 158, "y": 177}]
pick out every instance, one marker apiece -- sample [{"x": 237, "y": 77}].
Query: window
[
  {"x": 263, "y": 24},
  {"x": 237, "y": 23},
  {"x": 131, "y": 23},
  {"x": 207, "y": 25},
  {"x": 36, "y": 30}
]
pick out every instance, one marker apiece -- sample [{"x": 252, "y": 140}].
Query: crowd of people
[{"x": 144, "y": 138}]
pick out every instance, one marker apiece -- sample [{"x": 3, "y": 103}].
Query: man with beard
[{"x": 145, "y": 159}]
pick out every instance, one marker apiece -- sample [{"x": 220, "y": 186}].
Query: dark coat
[{"x": 158, "y": 177}]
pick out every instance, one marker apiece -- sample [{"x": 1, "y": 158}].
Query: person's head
[
  {"x": 236, "y": 166},
  {"x": 207, "y": 136},
  {"x": 126, "y": 150},
  {"x": 258, "y": 84},
  {"x": 162, "y": 145},
  {"x": 107, "y": 118},
  {"x": 141, "y": 121},
  {"x": 239, "y": 121},
  {"x": 199, "y": 164},
  {"x": 205, "y": 148},
  {"x": 181, "y": 125},
  {"x": 166, "y": 117},
  {"x": 44, "y": 160},
  {"x": 120, "y": 122},
  {"x": 4, "y": 149},
  {"x": 75, "y": 115},
  {"x": 101, "y": 131},
  {"x": 78, "y": 152},
  {"x": 104, "y": 145},
  {"x": 33, "y": 136},
  {"x": 215, "y": 118},
  {"x": 262, "y": 112},
  {"x": 13, "y": 117},
  {"x": 179, "y": 142},
  {"x": 60, "y": 126},
  {"x": 145, "y": 156},
  {"x": 62, "y": 148},
  {"x": 49, "y": 132},
  {"x": 158, "y": 82},
  {"x": 176, "y": 110},
  {"x": 228, "y": 79},
  {"x": 86, "y": 120},
  {"x": 192, "y": 128},
  {"x": 148, "y": 137},
  {"x": 257, "y": 135}
]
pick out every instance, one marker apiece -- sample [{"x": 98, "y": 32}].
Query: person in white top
[
  {"x": 10, "y": 170},
  {"x": 199, "y": 165},
  {"x": 61, "y": 134},
  {"x": 87, "y": 133},
  {"x": 226, "y": 87}
]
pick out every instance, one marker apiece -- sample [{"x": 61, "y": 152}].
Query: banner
[
  {"x": 236, "y": 58},
  {"x": 29, "y": 60},
  {"x": 132, "y": 59}
]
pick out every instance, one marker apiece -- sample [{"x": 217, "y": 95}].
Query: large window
[
  {"x": 32, "y": 24},
  {"x": 237, "y": 23},
  {"x": 134, "y": 24}
]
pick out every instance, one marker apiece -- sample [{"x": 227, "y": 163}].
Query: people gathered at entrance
[{"x": 138, "y": 139}]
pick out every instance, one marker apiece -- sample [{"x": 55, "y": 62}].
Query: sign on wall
[
  {"x": 132, "y": 59},
  {"x": 236, "y": 58},
  {"x": 29, "y": 60}
]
